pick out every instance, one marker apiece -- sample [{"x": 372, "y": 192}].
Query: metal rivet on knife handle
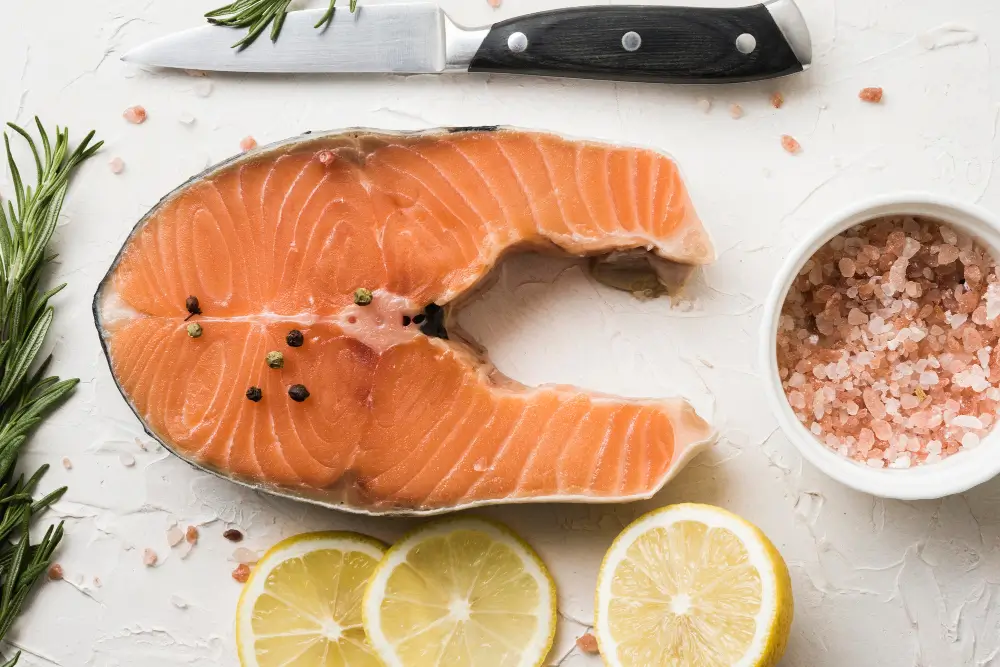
[
  {"x": 517, "y": 42},
  {"x": 746, "y": 43},
  {"x": 631, "y": 41}
]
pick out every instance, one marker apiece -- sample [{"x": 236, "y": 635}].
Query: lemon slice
[
  {"x": 461, "y": 593},
  {"x": 302, "y": 604},
  {"x": 693, "y": 586}
]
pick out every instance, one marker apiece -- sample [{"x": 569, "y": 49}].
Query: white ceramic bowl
[{"x": 954, "y": 474}]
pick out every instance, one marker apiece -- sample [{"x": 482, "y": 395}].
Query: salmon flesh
[{"x": 382, "y": 407}]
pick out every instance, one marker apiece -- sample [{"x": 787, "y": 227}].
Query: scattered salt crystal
[
  {"x": 587, "y": 643},
  {"x": 903, "y": 461},
  {"x": 910, "y": 248},
  {"x": 117, "y": 165},
  {"x": 967, "y": 421},
  {"x": 874, "y": 404},
  {"x": 174, "y": 535},
  {"x": 992, "y": 301},
  {"x": 66, "y": 463},
  {"x": 186, "y": 118},
  {"x": 970, "y": 440},
  {"x": 135, "y": 115},
  {"x": 777, "y": 100},
  {"x": 957, "y": 319},
  {"x": 704, "y": 104},
  {"x": 178, "y": 602},
  {"x": 947, "y": 254},
  {"x": 790, "y": 144},
  {"x": 882, "y": 430},
  {"x": 203, "y": 88},
  {"x": 149, "y": 557},
  {"x": 796, "y": 399},
  {"x": 126, "y": 459},
  {"x": 246, "y": 556},
  {"x": 248, "y": 143},
  {"x": 855, "y": 317},
  {"x": 736, "y": 111}
]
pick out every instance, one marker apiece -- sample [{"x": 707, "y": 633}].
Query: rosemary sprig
[
  {"x": 26, "y": 227},
  {"x": 256, "y": 15}
]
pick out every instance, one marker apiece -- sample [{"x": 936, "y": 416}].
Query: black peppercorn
[
  {"x": 298, "y": 393},
  {"x": 294, "y": 338},
  {"x": 193, "y": 307},
  {"x": 255, "y": 394}
]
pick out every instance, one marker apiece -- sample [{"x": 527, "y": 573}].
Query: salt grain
[
  {"x": 149, "y": 558},
  {"x": 870, "y": 95},
  {"x": 117, "y": 165},
  {"x": 203, "y": 88},
  {"x": 244, "y": 555},
  {"x": 174, "y": 535},
  {"x": 790, "y": 144},
  {"x": 67, "y": 464},
  {"x": 135, "y": 115},
  {"x": 967, "y": 421},
  {"x": 127, "y": 460},
  {"x": 248, "y": 144},
  {"x": 777, "y": 100},
  {"x": 704, "y": 104},
  {"x": 970, "y": 440},
  {"x": 736, "y": 111}
]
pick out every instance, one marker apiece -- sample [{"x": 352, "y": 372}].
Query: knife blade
[{"x": 617, "y": 42}]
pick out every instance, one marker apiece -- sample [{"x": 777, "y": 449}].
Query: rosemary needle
[
  {"x": 26, "y": 227},
  {"x": 257, "y": 15}
]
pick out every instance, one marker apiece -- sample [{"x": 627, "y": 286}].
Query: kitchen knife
[{"x": 617, "y": 42}]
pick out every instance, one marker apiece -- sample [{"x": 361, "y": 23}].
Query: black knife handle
[{"x": 676, "y": 45}]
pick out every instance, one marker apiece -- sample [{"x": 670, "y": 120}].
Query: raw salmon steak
[{"x": 382, "y": 406}]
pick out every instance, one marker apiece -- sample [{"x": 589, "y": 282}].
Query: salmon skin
[{"x": 383, "y": 407}]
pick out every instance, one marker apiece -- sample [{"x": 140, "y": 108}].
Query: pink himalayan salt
[
  {"x": 736, "y": 111},
  {"x": 894, "y": 361},
  {"x": 117, "y": 165},
  {"x": 248, "y": 143},
  {"x": 149, "y": 558},
  {"x": 790, "y": 144},
  {"x": 135, "y": 115}
]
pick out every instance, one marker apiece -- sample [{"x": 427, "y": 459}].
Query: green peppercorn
[
  {"x": 362, "y": 296},
  {"x": 194, "y": 330},
  {"x": 275, "y": 359}
]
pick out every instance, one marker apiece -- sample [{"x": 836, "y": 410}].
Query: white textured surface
[{"x": 877, "y": 583}]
